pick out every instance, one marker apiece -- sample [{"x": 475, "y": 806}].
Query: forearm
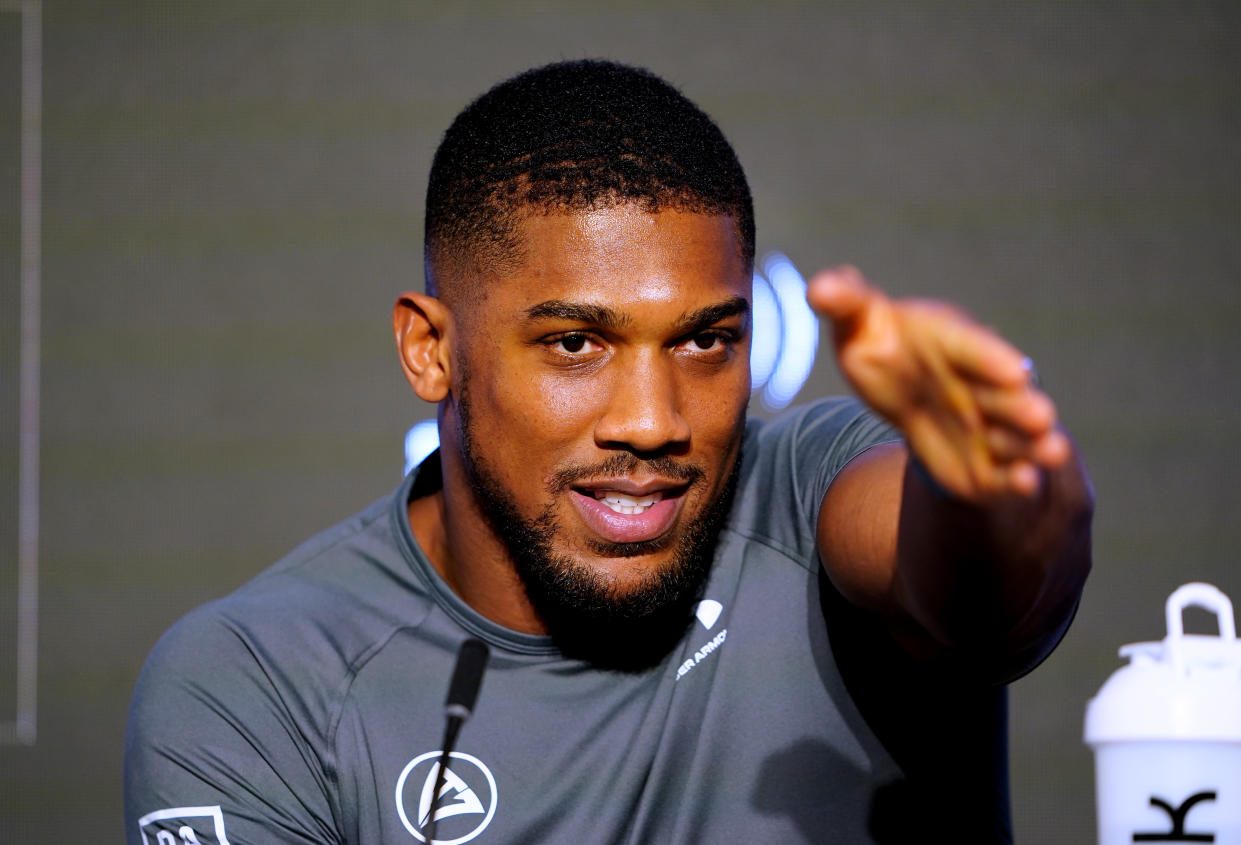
[{"x": 990, "y": 585}]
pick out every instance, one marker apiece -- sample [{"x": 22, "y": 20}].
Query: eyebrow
[
  {"x": 609, "y": 318},
  {"x": 577, "y": 312},
  {"x": 711, "y": 314}
]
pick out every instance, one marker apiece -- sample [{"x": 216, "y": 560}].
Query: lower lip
[{"x": 627, "y": 527}]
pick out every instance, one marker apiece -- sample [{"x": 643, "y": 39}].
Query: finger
[
  {"x": 1005, "y": 446},
  {"x": 1052, "y": 450},
  {"x": 1023, "y": 478},
  {"x": 984, "y": 477},
  {"x": 841, "y": 294},
  {"x": 1027, "y": 410},
  {"x": 1020, "y": 477},
  {"x": 980, "y": 354}
]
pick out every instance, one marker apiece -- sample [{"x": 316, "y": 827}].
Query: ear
[{"x": 423, "y": 329}]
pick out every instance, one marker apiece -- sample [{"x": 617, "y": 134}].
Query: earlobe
[{"x": 422, "y": 326}]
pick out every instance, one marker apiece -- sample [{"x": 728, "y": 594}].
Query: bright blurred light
[
  {"x": 799, "y": 339},
  {"x": 765, "y": 338},
  {"x": 420, "y": 441}
]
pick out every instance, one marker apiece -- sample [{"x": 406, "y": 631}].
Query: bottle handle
[{"x": 1207, "y": 597}]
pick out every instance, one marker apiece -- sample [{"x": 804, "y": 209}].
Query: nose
[{"x": 643, "y": 413}]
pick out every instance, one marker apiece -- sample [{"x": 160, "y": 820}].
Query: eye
[
  {"x": 706, "y": 341},
  {"x": 713, "y": 342},
  {"x": 573, "y": 344}
]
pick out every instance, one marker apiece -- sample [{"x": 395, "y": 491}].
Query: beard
[{"x": 628, "y": 629}]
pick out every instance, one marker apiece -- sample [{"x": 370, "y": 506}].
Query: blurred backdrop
[{"x": 231, "y": 199}]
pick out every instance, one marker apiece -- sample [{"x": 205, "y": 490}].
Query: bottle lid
[{"x": 1185, "y": 687}]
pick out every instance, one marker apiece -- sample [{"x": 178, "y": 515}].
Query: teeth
[{"x": 627, "y": 504}]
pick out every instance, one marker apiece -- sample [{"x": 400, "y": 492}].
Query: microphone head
[{"x": 467, "y": 677}]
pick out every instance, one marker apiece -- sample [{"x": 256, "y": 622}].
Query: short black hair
[{"x": 568, "y": 137}]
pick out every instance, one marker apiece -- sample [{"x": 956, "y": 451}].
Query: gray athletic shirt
[{"x": 308, "y": 705}]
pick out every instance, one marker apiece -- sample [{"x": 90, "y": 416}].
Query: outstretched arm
[{"x": 974, "y": 536}]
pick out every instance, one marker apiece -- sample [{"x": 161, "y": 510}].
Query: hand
[{"x": 960, "y": 393}]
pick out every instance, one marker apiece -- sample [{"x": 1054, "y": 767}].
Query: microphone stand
[{"x": 467, "y": 677}]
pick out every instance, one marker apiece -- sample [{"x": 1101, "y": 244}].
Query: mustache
[{"x": 626, "y": 463}]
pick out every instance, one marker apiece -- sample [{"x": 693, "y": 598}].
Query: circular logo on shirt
[{"x": 467, "y": 800}]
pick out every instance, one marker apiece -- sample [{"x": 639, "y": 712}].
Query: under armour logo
[
  {"x": 708, "y": 612},
  {"x": 1177, "y": 816}
]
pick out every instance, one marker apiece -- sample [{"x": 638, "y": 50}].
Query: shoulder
[
  {"x": 834, "y": 428},
  {"x": 238, "y": 702},
  {"x": 788, "y": 463},
  {"x": 292, "y": 635},
  {"x": 220, "y": 722}
]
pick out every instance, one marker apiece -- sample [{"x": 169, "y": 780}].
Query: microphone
[{"x": 467, "y": 678}]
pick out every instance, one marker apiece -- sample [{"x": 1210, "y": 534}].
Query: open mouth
[
  {"x": 621, "y": 511},
  {"x": 621, "y": 503}
]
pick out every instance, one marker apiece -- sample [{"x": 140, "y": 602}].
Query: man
[{"x": 701, "y": 630}]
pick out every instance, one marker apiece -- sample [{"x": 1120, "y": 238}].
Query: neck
[{"x": 455, "y": 537}]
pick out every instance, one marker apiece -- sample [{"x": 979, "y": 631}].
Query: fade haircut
[{"x": 565, "y": 138}]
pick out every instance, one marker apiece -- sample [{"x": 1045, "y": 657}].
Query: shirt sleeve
[{"x": 214, "y": 752}]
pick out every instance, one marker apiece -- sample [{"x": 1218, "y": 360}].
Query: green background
[{"x": 232, "y": 198}]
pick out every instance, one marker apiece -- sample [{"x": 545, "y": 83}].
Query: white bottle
[{"x": 1166, "y": 733}]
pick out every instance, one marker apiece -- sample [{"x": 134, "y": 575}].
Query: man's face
[{"x": 602, "y": 391}]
